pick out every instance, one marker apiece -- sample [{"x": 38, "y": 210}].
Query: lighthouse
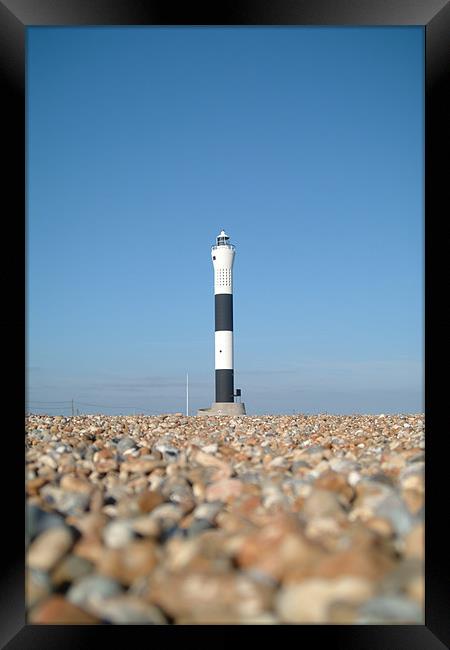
[{"x": 222, "y": 255}]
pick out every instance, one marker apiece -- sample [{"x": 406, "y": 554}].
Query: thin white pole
[{"x": 187, "y": 394}]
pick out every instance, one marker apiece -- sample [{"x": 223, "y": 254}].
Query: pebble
[
  {"x": 38, "y": 520},
  {"x": 145, "y": 526},
  {"x": 168, "y": 452},
  {"x": 118, "y": 534},
  {"x": 406, "y": 575},
  {"x": 198, "y": 526},
  {"x": 148, "y": 501},
  {"x": 210, "y": 449},
  {"x": 72, "y": 483},
  {"x": 208, "y": 511},
  {"x": 167, "y": 513},
  {"x": 124, "y": 444},
  {"x": 48, "y": 460},
  {"x": 309, "y": 601},
  {"x": 91, "y": 591},
  {"x": 355, "y": 561},
  {"x": 276, "y": 549},
  {"x": 37, "y": 586},
  {"x": 394, "y": 509},
  {"x": 354, "y": 478},
  {"x": 70, "y": 569},
  {"x": 64, "y": 502},
  {"x": 321, "y": 503},
  {"x": 224, "y": 490},
  {"x": 58, "y": 611},
  {"x": 127, "y": 610},
  {"x": 47, "y": 549},
  {"x": 390, "y": 609},
  {"x": 414, "y": 543},
  {"x": 138, "y": 560},
  {"x": 208, "y": 598}
]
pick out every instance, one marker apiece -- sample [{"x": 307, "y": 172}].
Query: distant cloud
[
  {"x": 267, "y": 372},
  {"x": 337, "y": 376},
  {"x": 45, "y": 387},
  {"x": 144, "y": 384}
]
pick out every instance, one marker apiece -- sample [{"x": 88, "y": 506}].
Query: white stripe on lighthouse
[
  {"x": 223, "y": 280},
  {"x": 224, "y": 350}
]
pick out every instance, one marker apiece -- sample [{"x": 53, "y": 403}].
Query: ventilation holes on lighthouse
[{"x": 223, "y": 277}]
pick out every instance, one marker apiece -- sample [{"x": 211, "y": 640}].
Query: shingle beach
[{"x": 225, "y": 520}]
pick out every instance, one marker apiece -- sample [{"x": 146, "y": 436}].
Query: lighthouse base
[{"x": 224, "y": 408}]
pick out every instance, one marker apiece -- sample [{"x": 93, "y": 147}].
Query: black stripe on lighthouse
[
  {"x": 224, "y": 385},
  {"x": 224, "y": 312}
]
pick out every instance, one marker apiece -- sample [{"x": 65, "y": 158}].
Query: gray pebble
[
  {"x": 169, "y": 454},
  {"x": 124, "y": 444},
  {"x": 89, "y": 592},
  {"x": 299, "y": 464},
  {"x": 390, "y": 609},
  {"x": 250, "y": 477},
  {"x": 69, "y": 503},
  {"x": 73, "y": 567},
  {"x": 169, "y": 530},
  {"x": 38, "y": 520},
  {"x": 198, "y": 526},
  {"x": 38, "y": 586},
  {"x": 393, "y": 508},
  {"x": 297, "y": 485},
  {"x": 130, "y": 610},
  {"x": 416, "y": 469},
  {"x": 381, "y": 478},
  {"x": 417, "y": 458}
]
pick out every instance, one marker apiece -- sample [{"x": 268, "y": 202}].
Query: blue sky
[{"x": 305, "y": 144}]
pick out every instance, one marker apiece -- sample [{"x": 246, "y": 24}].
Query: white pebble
[{"x": 353, "y": 478}]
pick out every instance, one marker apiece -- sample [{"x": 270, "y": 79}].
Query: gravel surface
[{"x": 246, "y": 520}]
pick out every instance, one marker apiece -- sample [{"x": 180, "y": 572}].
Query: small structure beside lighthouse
[{"x": 222, "y": 255}]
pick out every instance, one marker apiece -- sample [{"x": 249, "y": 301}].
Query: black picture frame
[{"x": 15, "y": 17}]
